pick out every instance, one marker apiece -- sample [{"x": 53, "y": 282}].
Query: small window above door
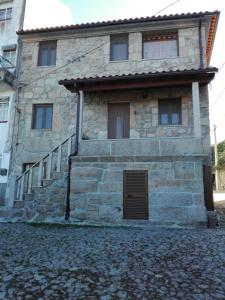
[{"x": 47, "y": 53}]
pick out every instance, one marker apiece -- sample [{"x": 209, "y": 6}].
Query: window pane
[
  {"x": 48, "y": 117},
  {"x": 175, "y": 118},
  {"x": 42, "y": 116},
  {"x": 38, "y": 117},
  {"x": 119, "y": 127},
  {"x": 9, "y": 13},
  {"x": 4, "y": 106},
  {"x": 43, "y": 57},
  {"x": 47, "y": 53},
  {"x": 52, "y": 57},
  {"x": 119, "y": 47},
  {"x": 164, "y": 119},
  {"x": 119, "y": 52},
  {"x": 160, "y": 49}
]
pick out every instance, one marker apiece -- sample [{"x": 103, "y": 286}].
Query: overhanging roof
[
  {"x": 120, "y": 22},
  {"x": 140, "y": 80}
]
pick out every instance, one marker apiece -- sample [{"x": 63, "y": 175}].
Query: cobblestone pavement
[{"x": 111, "y": 263}]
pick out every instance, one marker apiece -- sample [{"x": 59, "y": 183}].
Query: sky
[{"x": 65, "y": 12}]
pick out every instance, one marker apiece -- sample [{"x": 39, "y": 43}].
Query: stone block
[
  {"x": 89, "y": 148},
  {"x": 110, "y": 212},
  {"x": 178, "y": 185},
  {"x": 113, "y": 199},
  {"x": 112, "y": 176},
  {"x": 134, "y": 147},
  {"x": 184, "y": 170},
  {"x": 168, "y": 214},
  {"x": 171, "y": 199},
  {"x": 84, "y": 186},
  {"x": 114, "y": 187},
  {"x": 89, "y": 173}
]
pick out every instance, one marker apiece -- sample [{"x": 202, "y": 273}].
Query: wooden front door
[
  {"x": 135, "y": 199},
  {"x": 118, "y": 120}
]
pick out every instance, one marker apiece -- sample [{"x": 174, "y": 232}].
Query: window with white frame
[
  {"x": 160, "y": 46},
  {"x": 4, "y": 107},
  {"x": 5, "y": 14}
]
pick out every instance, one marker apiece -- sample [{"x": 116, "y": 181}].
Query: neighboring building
[
  {"x": 136, "y": 95},
  {"x": 11, "y": 19}
]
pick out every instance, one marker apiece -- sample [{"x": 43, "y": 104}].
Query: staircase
[{"x": 40, "y": 192}]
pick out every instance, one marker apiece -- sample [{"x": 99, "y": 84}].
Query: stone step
[
  {"x": 28, "y": 197},
  {"x": 18, "y": 204},
  {"x": 57, "y": 175},
  {"x": 39, "y": 190},
  {"x": 46, "y": 182}
]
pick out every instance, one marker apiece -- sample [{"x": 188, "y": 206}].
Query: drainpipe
[
  {"x": 200, "y": 43},
  {"x": 74, "y": 153}
]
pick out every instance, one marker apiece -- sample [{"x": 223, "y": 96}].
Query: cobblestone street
[{"x": 53, "y": 262}]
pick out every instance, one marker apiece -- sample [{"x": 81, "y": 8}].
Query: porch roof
[{"x": 140, "y": 80}]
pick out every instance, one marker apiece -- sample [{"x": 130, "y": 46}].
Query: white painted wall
[{"x": 8, "y": 36}]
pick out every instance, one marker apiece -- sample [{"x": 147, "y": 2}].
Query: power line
[
  {"x": 158, "y": 12},
  {"x": 218, "y": 98},
  {"x": 88, "y": 52},
  {"x": 75, "y": 59}
]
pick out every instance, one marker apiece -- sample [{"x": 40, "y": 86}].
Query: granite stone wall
[{"x": 175, "y": 189}]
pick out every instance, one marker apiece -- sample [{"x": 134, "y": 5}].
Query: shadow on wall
[{"x": 2, "y": 193}]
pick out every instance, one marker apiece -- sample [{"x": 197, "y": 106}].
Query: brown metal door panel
[
  {"x": 135, "y": 203},
  {"x": 118, "y": 120}
]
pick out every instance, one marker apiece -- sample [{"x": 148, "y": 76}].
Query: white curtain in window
[
  {"x": 160, "y": 49},
  {"x": 4, "y": 106}
]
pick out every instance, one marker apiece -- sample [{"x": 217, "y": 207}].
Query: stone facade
[
  {"x": 175, "y": 189},
  {"x": 172, "y": 155}
]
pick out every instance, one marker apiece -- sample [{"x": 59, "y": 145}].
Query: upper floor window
[
  {"x": 5, "y": 14},
  {"x": 170, "y": 111},
  {"x": 9, "y": 57},
  {"x": 4, "y": 107},
  {"x": 160, "y": 46},
  {"x": 42, "y": 116},
  {"x": 119, "y": 47},
  {"x": 47, "y": 53}
]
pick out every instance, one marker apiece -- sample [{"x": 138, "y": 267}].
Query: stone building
[
  {"x": 11, "y": 20},
  {"x": 128, "y": 101}
]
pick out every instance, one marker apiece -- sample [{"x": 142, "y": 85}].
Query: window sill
[
  {"x": 118, "y": 61},
  {"x": 3, "y": 122},
  {"x": 42, "y": 129},
  {"x": 170, "y": 125},
  {"x": 147, "y": 59},
  {"x": 44, "y": 67}
]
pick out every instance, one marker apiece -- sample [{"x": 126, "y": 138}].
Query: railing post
[
  {"x": 21, "y": 188},
  {"x": 69, "y": 145},
  {"x": 49, "y": 169},
  {"x": 59, "y": 159},
  {"x": 40, "y": 171},
  {"x": 30, "y": 179}
]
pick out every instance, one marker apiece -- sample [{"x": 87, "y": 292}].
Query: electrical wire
[{"x": 166, "y": 8}]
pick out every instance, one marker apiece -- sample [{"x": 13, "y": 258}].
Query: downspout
[
  {"x": 200, "y": 43},
  {"x": 74, "y": 153}
]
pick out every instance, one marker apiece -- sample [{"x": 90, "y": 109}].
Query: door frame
[{"x": 124, "y": 193}]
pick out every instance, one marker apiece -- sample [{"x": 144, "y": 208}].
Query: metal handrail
[
  {"x": 30, "y": 170},
  {"x": 43, "y": 158}
]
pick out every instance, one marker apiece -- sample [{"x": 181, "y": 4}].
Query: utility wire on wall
[{"x": 78, "y": 58}]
